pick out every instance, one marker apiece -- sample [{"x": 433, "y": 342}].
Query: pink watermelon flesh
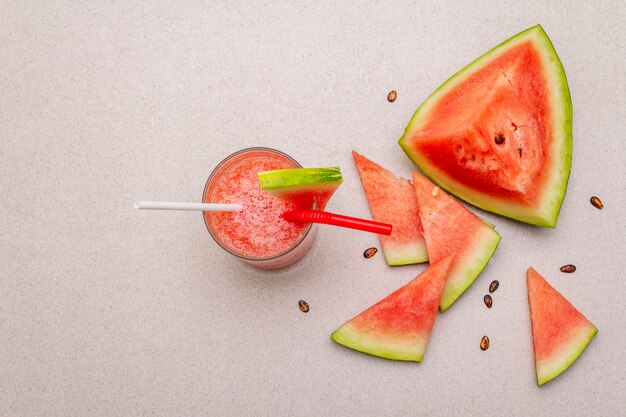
[
  {"x": 560, "y": 332},
  {"x": 304, "y": 197},
  {"x": 392, "y": 200},
  {"x": 516, "y": 92},
  {"x": 398, "y": 327},
  {"x": 451, "y": 229}
]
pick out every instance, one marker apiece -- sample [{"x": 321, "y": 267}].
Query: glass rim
[{"x": 206, "y": 223}]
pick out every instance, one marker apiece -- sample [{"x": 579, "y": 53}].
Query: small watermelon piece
[
  {"x": 560, "y": 332},
  {"x": 392, "y": 200},
  {"x": 302, "y": 186},
  {"x": 451, "y": 229},
  {"x": 498, "y": 134},
  {"x": 398, "y": 327}
]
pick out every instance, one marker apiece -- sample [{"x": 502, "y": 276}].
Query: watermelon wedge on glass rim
[
  {"x": 451, "y": 229},
  {"x": 398, "y": 326},
  {"x": 392, "y": 200},
  {"x": 498, "y": 134},
  {"x": 561, "y": 333},
  {"x": 302, "y": 186}
]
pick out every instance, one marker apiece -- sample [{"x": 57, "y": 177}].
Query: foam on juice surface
[{"x": 258, "y": 230}]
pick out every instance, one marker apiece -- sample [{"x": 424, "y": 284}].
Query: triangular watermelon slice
[
  {"x": 498, "y": 134},
  {"x": 451, "y": 229},
  {"x": 560, "y": 332},
  {"x": 302, "y": 186},
  {"x": 392, "y": 200},
  {"x": 399, "y": 325}
]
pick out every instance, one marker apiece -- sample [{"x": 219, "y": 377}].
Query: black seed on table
[
  {"x": 568, "y": 268},
  {"x": 370, "y": 252},
  {"x": 596, "y": 202},
  {"x": 484, "y": 343},
  {"x": 494, "y": 286},
  {"x": 304, "y": 306},
  {"x": 392, "y": 96},
  {"x": 488, "y": 300}
]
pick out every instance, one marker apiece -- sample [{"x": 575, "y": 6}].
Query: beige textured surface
[{"x": 108, "y": 311}]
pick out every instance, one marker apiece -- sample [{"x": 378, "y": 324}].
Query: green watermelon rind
[
  {"x": 406, "y": 254},
  {"x": 562, "y": 360},
  {"x": 487, "y": 222},
  {"x": 554, "y": 192},
  {"x": 300, "y": 178},
  {"x": 473, "y": 263},
  {"x": 348, "y": 336}
]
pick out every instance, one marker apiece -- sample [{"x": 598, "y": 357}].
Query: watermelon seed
[
  {"x": 370, "y": 252},
  {"x": 568, "y": 268},
  {"x": 484, "y": 343},
  {"x": 488, "y": 300},
  {"x": 435, "y": 191},
  {"x": 596, "y": 202},
  {"x": 304, "y": 306},
  {"x": 494, "y": 286},
  {"x": 392, "y": 96},
  {"x": 520, "y": 152},
  {"x": 499, "y": 139}
]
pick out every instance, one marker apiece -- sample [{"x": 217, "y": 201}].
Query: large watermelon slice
[
  {"x": 398, "y": 326},
  {"x": 392, "y": 200},
  {"x": 451, "y": 229},
  {"x": 498, "y": 134},
  {"x": 560, "y": 332},
  {"x": 302, "y": 186}
]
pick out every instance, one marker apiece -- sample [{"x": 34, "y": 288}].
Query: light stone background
[{"x": 107, "y": 311}]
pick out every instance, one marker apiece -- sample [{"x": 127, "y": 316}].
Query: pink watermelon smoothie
[{"x": 258, "y": 234}]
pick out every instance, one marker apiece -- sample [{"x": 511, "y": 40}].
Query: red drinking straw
[{"x": 324, "y": 217}]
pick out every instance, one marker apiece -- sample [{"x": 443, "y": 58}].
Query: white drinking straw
[{"x": 168, "y": 205}]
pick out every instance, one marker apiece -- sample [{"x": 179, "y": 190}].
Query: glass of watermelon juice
[{"x": 257, "y": 235}]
